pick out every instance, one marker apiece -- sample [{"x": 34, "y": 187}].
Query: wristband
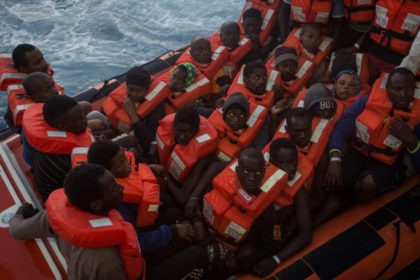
[
  {"x": 153, "y": 143},
  {"x": 276, "y": 259},
  {"x": 415, "y": 150},
  {"x": 334, "y": 150},
  {"x": 357, "y": 46},
  {"x": 335, "y": 159}
]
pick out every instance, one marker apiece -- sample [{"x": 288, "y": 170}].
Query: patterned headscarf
[{"x": 191, "y": 73}]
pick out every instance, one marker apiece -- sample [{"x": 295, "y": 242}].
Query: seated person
[
  {"x": 238, "y": 45},
  {"x": 372, "y": 165},
  {"x": 91, "y": 193},
  {"x": 311, "y": 45},
  {"x": 52, "y": 129},
  {"x": 274, "y": 238},
  {"x": 255, "y": 84},
  {"x": 262, "y": 41},
  {"x": 186, "y": 85},
  {"x": 184, "y": 142},
  {"x": 348, "y": 88},
  {"x": 240, "y": 124},
  {"x": 136, "y": 106},
  {"x": 160, "y": 224},
  {"x": 322, "y": 112}
]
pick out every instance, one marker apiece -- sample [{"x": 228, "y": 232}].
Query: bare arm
[{"x": 284, "y": 16}]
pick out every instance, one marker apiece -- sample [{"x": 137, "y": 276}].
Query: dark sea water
[{"x": 88, "y": 41}]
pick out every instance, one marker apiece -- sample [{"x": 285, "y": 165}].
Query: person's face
[
  {"x": 229, "y": 34},
  {"x": 257, "y": 81},
  {"x": 201, "y": 51},
  {"x": 183, "y": 132},
  {"x": 311, "y": 39},
  {"x": 299, "y": 130},
  {"x": 177, "y": 82},
  {"x": 112, "y": 192},
  {"x": 345, "y": 87},
  {"x": 35, "y": 62},
  {"x": 46, "y": 90},
  {"x": 250, "y": 174},
  {"x": 136, "y": 93},
  {"x": 235, "y": 119},
  {"x": 288, "y": 69},
  {"x": 286, "y": 160},
  {"x": 399, "y": 91},
  {"x": 74, "y": 120},
  {"x": 252, "y": 26},
  {"x": 120, "y": 167}
]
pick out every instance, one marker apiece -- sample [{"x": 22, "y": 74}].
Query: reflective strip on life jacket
[{"x": 314, "y": 11}]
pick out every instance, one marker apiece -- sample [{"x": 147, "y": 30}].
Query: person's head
[
  {"x": 138, "y": 81},
  {"x": 229, "y": 34},
  {"x": 400, "y": 87},
  {"x": 346, "y": 84},
  {"x": 310, "y": 37},
  {"x": 63, "y": 113},
  {"x": 299, "y": 126},
  {"x": 182, "y": 76},
  {"x": 286, "y": 62},
  {"x": 251, "y": 21},
  {"x": 186, "y": 125},
  {"x": 93, "y": 189},
  {"x": 201, "y": 50},
  {"x": 236, "y": 111},
  {"x": 255, "y": 77},
  {"x": 28, "y": 59},
  {"x": 250, "y": 170},
  {"x": 319, "y": 101},
  {"x": 284, "y": 155},
  {"x": 110, "y": 155},
  {"x": 39, "y": 87}
]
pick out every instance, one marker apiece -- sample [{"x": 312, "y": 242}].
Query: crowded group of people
[{"x": 224, "y": 163}]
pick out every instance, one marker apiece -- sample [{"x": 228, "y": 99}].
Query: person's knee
[{"x": 365, "y": 188}]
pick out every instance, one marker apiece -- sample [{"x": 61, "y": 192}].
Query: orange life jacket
[
  {"x": 231, "y": 210},
  {"x": 314, "y": 11},
  {"x": 266, "y": 99},
  {"x": 19, "y": 101},
  {"x": 180, "y": 159},
  {"x": 140, "y": 187},
  {"x": 324, "y": 48},
  {"x": 198, "y": 89},
  {"x": 359, "y": 11},
  {"x": 373, "y": 138},
  {"x": 396, "y": 24},
  {"x": 231, "y": 143},
  {"x": 321, "y": 131},
  {"x": 234, "y": 56},
  {"x": 113, "y": 105},
  {"x": 269, "y": 4},
  {"x": 303, "y": 178},
  {"x": 10, "y": 75},
  {"x": 44, "y": 138},
  {"x": 220, "y": 55},
  {"x": 268, "y": 16},
  {"x": 87, "y": 230},
  {"x": 303, "y": 74},
  {"x": 361, "y": 63}
]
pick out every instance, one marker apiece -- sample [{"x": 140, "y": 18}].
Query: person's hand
[
  {"x": 399, "y": 129},
  {"x": 158, "y": 170},
  {"x": 26, "y": 210},
  {"x": 185, "y": 231},
  {"x": 192, "y": 206},
  {"x": 280, "y": 106},
  {"x": 264, "y": 267},
  {"x": 130, "y": 109},
  {"x": 334, "y": 178},
  {"x": 219, "y": 103}
]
